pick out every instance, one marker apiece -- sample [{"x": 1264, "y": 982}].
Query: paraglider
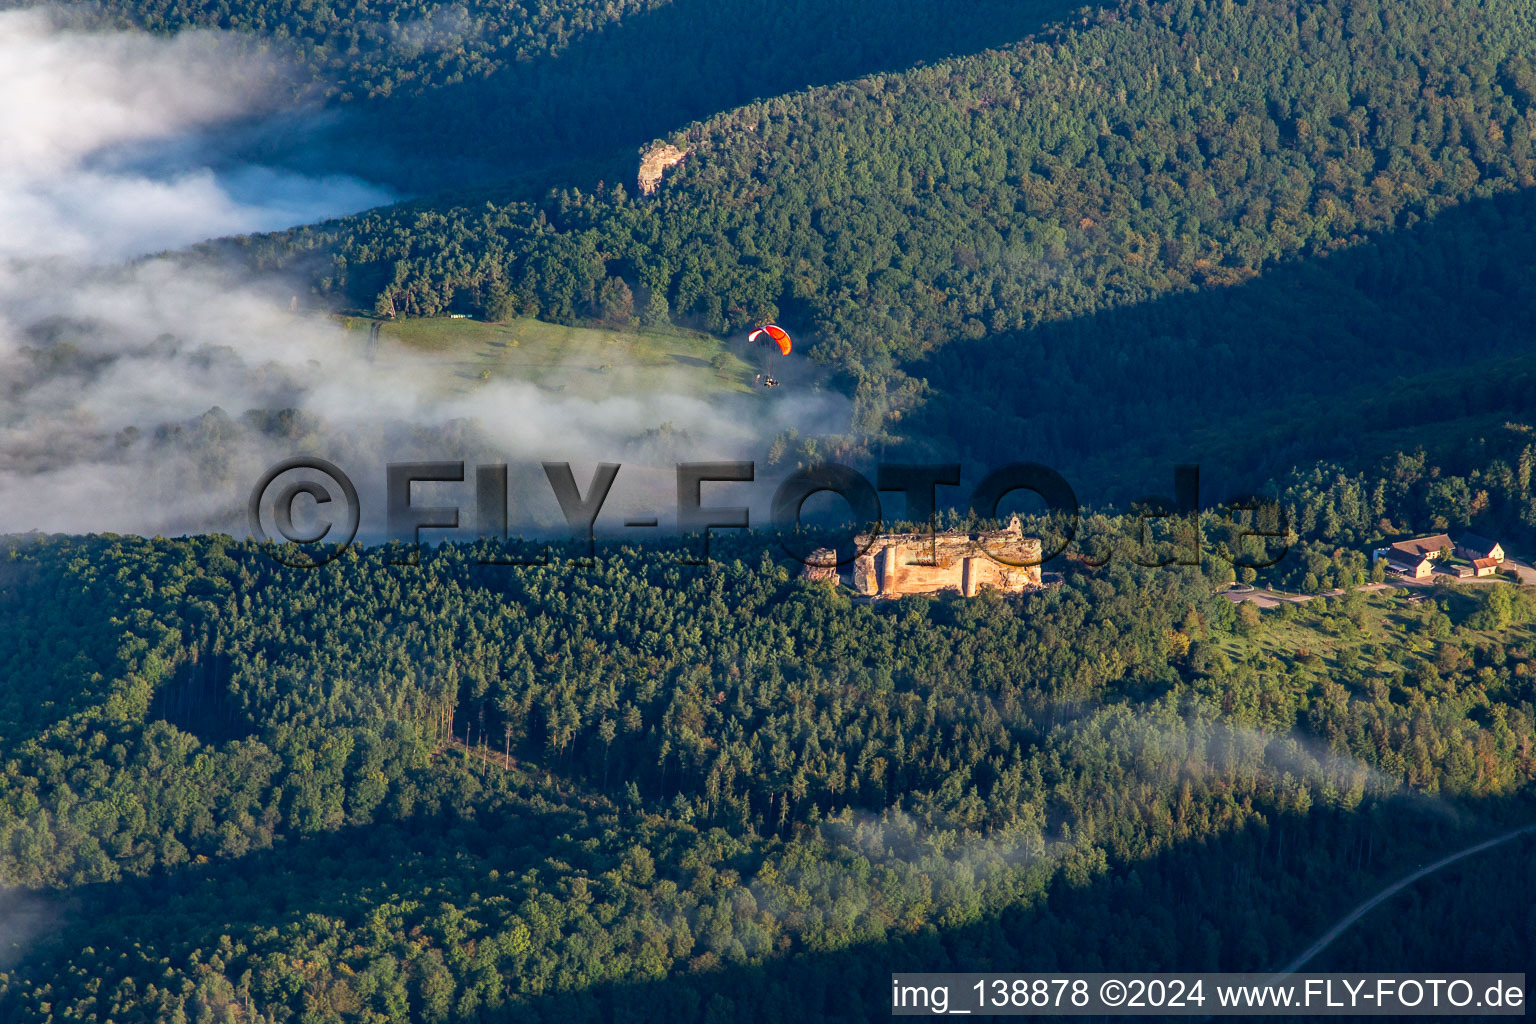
[
  {"x": 768, "y": 337},
  {"x": 774, "y": 333}
]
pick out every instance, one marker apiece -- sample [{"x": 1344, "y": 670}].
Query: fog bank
[{"x": 148, "y": 394}]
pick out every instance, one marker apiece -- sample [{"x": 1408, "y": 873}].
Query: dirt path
[
  {"x": 1274, "y": 598},
  {"x": 1392, "y": 890}
]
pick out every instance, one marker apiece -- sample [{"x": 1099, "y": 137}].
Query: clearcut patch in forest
[{"x": 586, "y": 362}]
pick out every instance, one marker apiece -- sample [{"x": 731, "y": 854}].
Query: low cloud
[
  {"x": 443, "y": 29},
  {"x": 147, "y": 394},
  {"x": 110, "y": 143},
  {"x": 25, "y": 919}
]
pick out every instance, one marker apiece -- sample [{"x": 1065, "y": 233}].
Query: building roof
[
  {"x": 1475, "y": 542},
  {"x": 1423, "y": 547},
  {"x": 1403, "y": 562},
  {"x": 1485, "y": 563}
]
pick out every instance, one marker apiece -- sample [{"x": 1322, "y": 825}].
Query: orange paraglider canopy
[{"x": 774, "y": 332}]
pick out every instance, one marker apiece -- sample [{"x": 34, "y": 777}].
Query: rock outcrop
[
  {"x": 654, "y": 162},
  {"x": 821, "y": 567}
]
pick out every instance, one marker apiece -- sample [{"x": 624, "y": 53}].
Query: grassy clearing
[
  {"x": 1302, "y": 632},
  {"x": 587, "y": 362},
  {"x": 1384, "y": 617}
]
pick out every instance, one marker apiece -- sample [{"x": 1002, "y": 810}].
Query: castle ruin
[{"x": 896, "y": 564}]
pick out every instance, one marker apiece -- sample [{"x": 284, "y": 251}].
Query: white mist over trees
[{"x": 148, "y": 396}]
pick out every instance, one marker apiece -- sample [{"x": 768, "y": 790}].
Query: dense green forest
[
  {"x": 1046, "y": 218},
  {"x": 434, "y": 95},
  {"x": 1289, "y": 241},
  {"x": 466, "y": 792}
]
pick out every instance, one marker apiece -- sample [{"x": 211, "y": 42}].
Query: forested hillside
[
  {"x": 455, "y": 792},
  {"x": 966, "y": 208},
  {"x": 448, "y": 94},
  {"x": 1292, "y": 241}
]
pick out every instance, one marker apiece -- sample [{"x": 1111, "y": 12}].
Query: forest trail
[{"x": 1392, "y": 890}]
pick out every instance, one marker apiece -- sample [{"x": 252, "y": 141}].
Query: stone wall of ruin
[{"x": 898, "y": 564}]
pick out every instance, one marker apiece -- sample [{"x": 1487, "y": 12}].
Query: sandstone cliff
[
  {"x": 821, "y": 567},
  {"x": 654, "y": 163}
]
